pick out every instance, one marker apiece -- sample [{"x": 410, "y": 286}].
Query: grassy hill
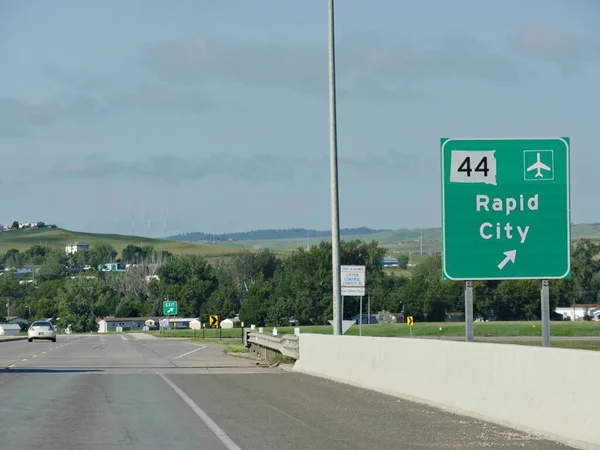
[
  {"x": 59, "y": 238},
  {"x": 397, "y": 241}
]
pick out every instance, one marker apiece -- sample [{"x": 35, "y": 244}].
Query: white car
[{"x": 41, "y": 330}]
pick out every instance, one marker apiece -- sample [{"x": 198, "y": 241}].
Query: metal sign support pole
[
  {"x": 360, "y": 317},
  {"x": 545, "y": 313},
  {"x": 469, "y": 311}
]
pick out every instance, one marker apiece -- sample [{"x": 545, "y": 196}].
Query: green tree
[
  {"x": 101, "y": 254},
  {"x": 305, "y": 280},
  {"x": 36, "y": 254},
  {"x": 585, "y": 266},
  {"x": 222, "y": 302},
  {"x": 44, "y": 308},
  {"x": 81, "y": 301},
  {"x": 12, "y": 258},
  {"x": 11, "y": 291},
  {"x": 53, "y": 267},
  {"x": 484, "y": 304},
  {"x": 518, "y": 300},
  {"x": 243, "y": 269},
  {"x": 135, "y": 254},
  {"x": 189, "y": 280},
  {"x": 403, "y": 260},
  {"x": 81, "y": 258},
  {"x": 387, "y": 294},
  {"x": 128, "y": 307},
  {"x": 256, "y": 305},
  {"x": 369, "y": 254},
  {"x": 48, "y": 289}
]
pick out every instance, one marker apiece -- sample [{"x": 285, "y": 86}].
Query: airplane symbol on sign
[{"x": 539, "y": 166}]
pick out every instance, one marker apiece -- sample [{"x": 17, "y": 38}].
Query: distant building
[
  {"x": 112, "y": 267},
  {"x": 398, "y": 316},
  {"x": 389, "y": 262},
  {"x": 16, "y": 320},
  {"x": 579, "y": 311},
  {"x": 110, "y": 324},
  {"x": 366, "y": 319},
  {"x": 229, "y": 323},
  {"x": 25, "y": 225},
  {"x": 9, "y": 329},
  {"x": 75, "y": 247},
  {"x": 457, "y": 316},
  {"x": 22, "y": 272}
]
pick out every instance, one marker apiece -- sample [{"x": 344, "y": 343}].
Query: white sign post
[{"x": 353, "y": 285}]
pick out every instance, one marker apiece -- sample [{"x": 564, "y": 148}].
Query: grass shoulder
[{"x": 453, "y": 329}]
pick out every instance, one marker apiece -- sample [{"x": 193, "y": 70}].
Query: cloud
[
  {"x": 364, "y": 68},
  {"x": 254, "y": 168},
  {"x": 388, "y": 163},
  {"x": 566, "y": 51},
  {"x": 176, "y": 170},
  {"x": 453, "y": 55},
  {"x": 18, "y": 117}
]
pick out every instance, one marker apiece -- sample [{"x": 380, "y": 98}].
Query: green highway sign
[
  {"x": 169, "y": 308},
  {"x": 505, "y": 209}
]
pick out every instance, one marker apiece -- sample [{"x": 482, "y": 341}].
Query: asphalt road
[{"x": 123, "y": 392}]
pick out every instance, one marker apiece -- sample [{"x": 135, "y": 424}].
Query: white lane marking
[
  {"x": 35, "y": 356},
  {"x": 226, "y": 440},
  {"x": 24, "y": 359},
  {"x": 43, "y": 353},
  {"x": 12, "y": 365},
  {"x": 188, "y": 353},
  {"x": 123, "y": 337}
]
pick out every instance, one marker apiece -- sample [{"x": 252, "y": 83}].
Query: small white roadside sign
[{"x": 353, "y": 281}]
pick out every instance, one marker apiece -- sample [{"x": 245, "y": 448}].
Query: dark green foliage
[{"x": 262, "y": 288}]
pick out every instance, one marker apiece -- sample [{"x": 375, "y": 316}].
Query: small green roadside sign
[
  {"x": 169, "y": 308},
  {"x": 505, "y": 209}
]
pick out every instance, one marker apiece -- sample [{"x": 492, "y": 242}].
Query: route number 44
[
  {"x": 473, "y": 166},
  {"x": 482, "y": 166}
]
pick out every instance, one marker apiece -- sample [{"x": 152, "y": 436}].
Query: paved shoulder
[{"x": 295, "y": 411}]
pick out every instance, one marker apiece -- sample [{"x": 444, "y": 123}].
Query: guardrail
[{"x": 286, "y": 345}]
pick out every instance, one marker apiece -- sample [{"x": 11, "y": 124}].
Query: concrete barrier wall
[{"x": 546, "y": 391}]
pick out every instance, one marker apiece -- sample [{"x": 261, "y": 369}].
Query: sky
[{"x": 215, "y": 114}]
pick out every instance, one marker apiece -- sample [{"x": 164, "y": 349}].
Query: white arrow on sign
[
  {"x": 509, "y": 256},
  {"x": 170, "y": 309}
]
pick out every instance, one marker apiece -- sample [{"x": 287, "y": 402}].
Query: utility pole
[{"x": 333, "y": 166}]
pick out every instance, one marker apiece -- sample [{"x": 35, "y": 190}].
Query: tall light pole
[{"x": 335, "y": 208}]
